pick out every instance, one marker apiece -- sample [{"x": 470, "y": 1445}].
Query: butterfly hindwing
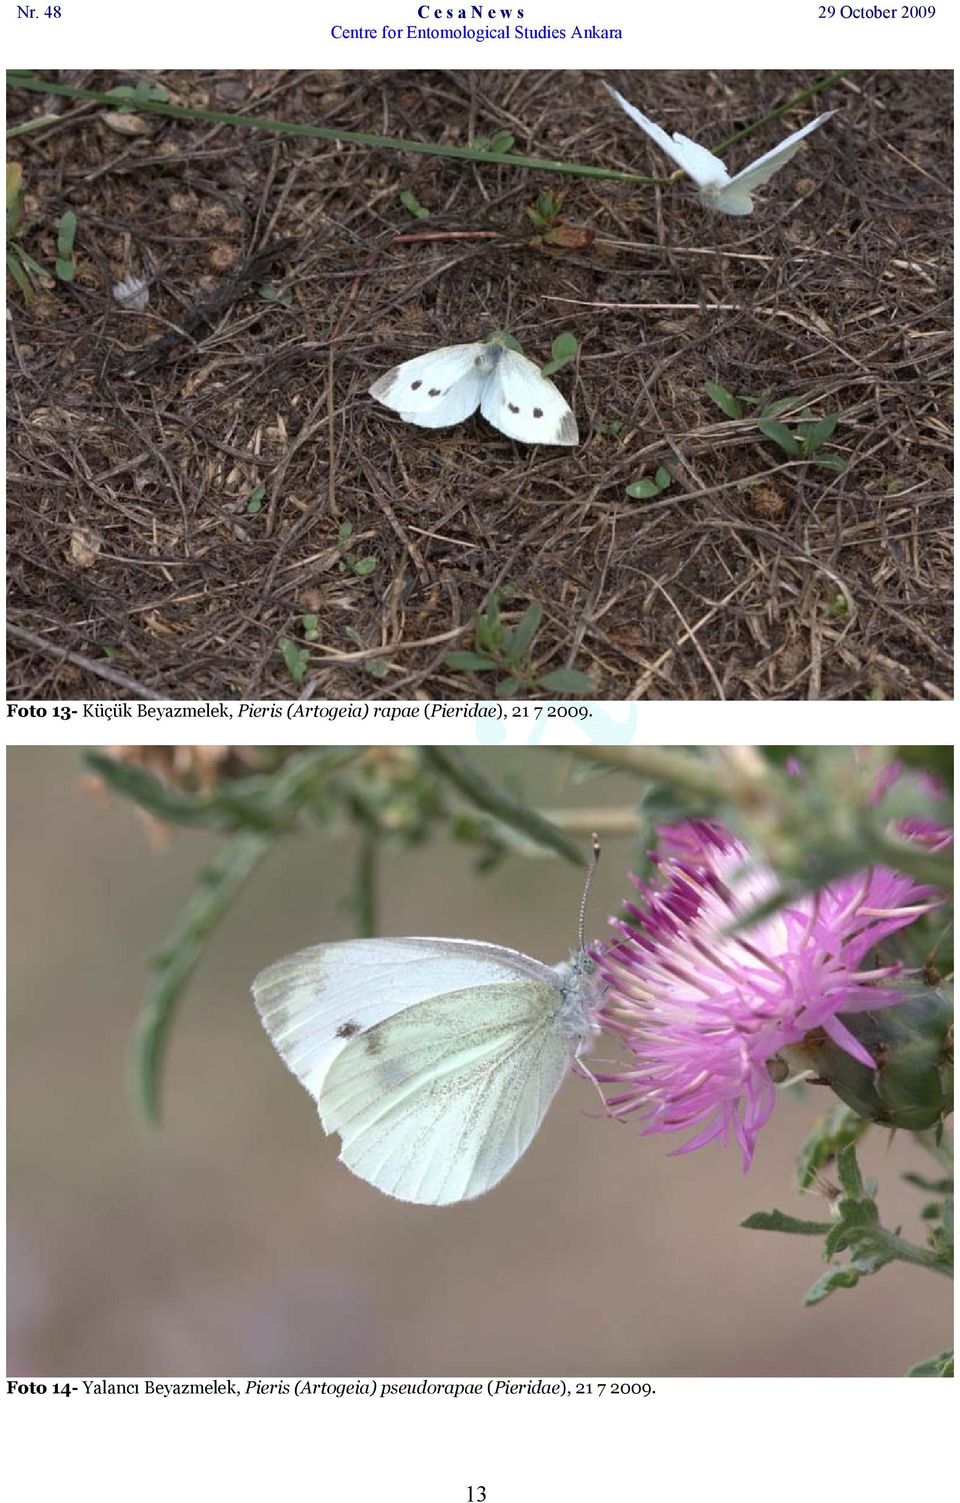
[
  {"x": 525, "y": 405},
  {"x": 437, "y": 1103}
]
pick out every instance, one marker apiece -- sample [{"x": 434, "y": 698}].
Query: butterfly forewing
[
  {"x": 763, "y": 169},
  {"x": 437, "y": 1103},
  {"x": 314, "y": 1002},
  {"x": 438, "y": 389}
]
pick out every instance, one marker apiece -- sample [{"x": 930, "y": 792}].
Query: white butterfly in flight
[
  {"x": 446, "y": 386},
  {"x": 434, "y": 1059},
  {"x": 717, "y": 189}
]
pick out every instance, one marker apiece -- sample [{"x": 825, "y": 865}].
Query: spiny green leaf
[
  {"x": 833, "y": 1132},
  {"x": 835, "y": 1278},
  {"x": 779, "y": 1221},
  {"x": 933, "y": 1367},
  {"x": 849, "y": 1170}
]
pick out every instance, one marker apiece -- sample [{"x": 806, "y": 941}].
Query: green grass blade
[{"x": 329, "y": 133}]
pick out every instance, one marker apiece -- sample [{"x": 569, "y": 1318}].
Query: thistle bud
[{"x": 911, "y": 1085}]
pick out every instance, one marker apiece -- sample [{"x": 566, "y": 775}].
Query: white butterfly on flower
[
  {"x": 717, "y": 189},
  {"x": 447, "y": 385}
]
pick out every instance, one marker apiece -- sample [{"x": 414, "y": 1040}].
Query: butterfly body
[
  {"x": 446, "y": 386},
  {"x": 433, "y": 1059}
]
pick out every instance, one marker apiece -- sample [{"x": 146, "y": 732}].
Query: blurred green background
[{"x": 229, "y": 1240}]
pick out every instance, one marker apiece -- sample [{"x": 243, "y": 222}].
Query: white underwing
[
  {"x": 447, "y": 385},
  {"x": 717, "y": 189},
  {"x": 435, "y": 1060}
]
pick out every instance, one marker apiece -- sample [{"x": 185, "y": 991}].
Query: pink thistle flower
[{"x": 705, "y": 1012}]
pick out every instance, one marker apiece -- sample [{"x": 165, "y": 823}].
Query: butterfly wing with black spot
[
  {"x": 525, "y": 405},
  {"x": 438, "y": 389}
]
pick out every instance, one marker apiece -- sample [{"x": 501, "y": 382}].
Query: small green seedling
[
  {"x": 611, "y": 429},
  {"x": 255, "y": 501},
  {"x": 361, "y": 567},
  {"x": 413, "y": 205},
  {"x": 505, "y": 650},
  {"x": 66, "y": 266},
  {"x": 643, "y": 490},
  {"x": 499, "y": 144},
  {"x": 311, "y": 629},
  {"x": 546, "y": 211},
  {"x": 376, "y": 667},
  {"x": 296, "y": 659},
  {"x": 276, "y": 294},
  {"x": 803, "y": 441},
  {"x": 565, "y": 347},
  {"x": 140, "y": 93}
]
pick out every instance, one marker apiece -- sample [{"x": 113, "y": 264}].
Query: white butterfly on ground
[
  {"x": 446, "y": 386},
  {"x": 717, "y": 189},
  {"x": 434, "y": 1059}
]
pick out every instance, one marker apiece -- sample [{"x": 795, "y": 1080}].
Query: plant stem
[
  {"x": 496, "y": 801},
  {"x": 670, "y": 765},
  {"x": 365, "y": 888},
  {"x": 908, "y": 1252},
  {"x": 175, "y": 963}
]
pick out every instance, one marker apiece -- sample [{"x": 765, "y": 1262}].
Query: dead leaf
[
  {"x": 126, "y": 125},
  {"x": 84, "y": 547},
  {"x": 569, "y": 236}
]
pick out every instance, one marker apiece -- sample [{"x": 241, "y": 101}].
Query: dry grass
[{"x": 136, "y": 567}]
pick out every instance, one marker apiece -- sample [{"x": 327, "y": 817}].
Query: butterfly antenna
[{"x": 591, "y": 869}]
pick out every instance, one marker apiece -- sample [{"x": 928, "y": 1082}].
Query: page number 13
[{"x": 477, "y": 1494}]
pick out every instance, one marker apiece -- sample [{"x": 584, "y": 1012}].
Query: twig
[{"x": 99, "y": 670}]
